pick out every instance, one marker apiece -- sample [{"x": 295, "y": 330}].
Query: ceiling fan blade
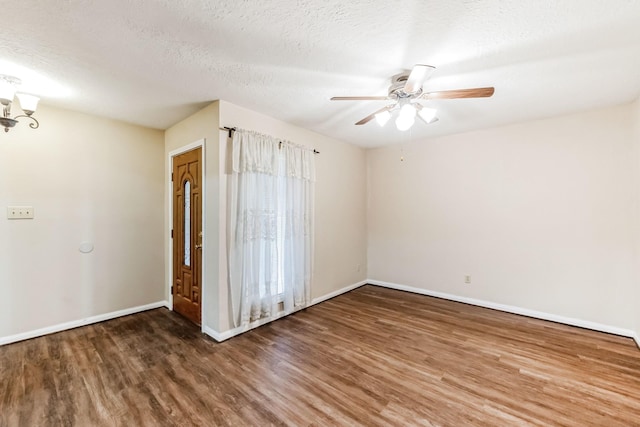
[
  {"x": 418, "y": 75},
  {"x": 373, "y": 115},
  {"x": 478, "y": 92},
  {"x": 360, "y": 98}
]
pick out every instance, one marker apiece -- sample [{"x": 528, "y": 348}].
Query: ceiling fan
[{"x": 406, "y": 92}]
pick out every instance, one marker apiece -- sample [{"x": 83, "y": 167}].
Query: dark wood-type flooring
[{"x": 370, "y": 357}]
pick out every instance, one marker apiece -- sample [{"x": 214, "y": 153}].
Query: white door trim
[{"x": 197, "y": 144}]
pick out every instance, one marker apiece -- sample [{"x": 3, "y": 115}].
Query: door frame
[{"x": 203, "y": 294}]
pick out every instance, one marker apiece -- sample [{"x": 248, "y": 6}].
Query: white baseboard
[
  {"x": 82, "y": 322},
  {"x": 636, "y": 338},
  {"x": 214, "y": 334},
  {"x": 338, "y": 292},
  {"x": 221, "y": 336},
  {"x": 511, "y": 309}
]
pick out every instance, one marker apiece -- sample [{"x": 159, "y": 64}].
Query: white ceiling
[{"x": 156, "y": 62}]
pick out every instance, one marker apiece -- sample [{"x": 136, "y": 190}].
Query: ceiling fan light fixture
[
  {"x": 383, "y": 117},
  {"x": 428, "y": 114},
  {"x": 404, "y": 122},
  {"x": 406, "y": 117},
  {"x": 408, "y": 111}
]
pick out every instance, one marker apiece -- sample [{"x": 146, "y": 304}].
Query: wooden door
[{"x": 187, "y": 234}]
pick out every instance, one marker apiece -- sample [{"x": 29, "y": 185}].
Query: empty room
[{"x": 320, "y": 213}]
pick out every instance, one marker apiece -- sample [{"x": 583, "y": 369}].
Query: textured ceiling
[{"x": 155, "y": 62}]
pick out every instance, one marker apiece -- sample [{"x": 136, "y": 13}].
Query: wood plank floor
[{"x": 370, "y": 357}]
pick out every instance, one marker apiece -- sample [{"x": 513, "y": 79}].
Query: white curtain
[{"x": 270, "y": 226}]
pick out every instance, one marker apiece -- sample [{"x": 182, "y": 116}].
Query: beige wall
[
  {"x": 201, "y": 125},
  {"x": 340, "y": 203},
  {"x": 88, "y": 179},
  {"x": 543, "y": 215},
  {"x": 636, "y": 118}
]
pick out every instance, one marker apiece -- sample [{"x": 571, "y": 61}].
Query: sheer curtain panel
[{"x": 270, "y": 227}]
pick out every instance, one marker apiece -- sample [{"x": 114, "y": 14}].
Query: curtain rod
[{"x": 232, "y": 130}]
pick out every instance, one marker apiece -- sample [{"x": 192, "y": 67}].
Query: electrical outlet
[
  {"x": 467, "y": 278},
  {"x": 19, "y": 212}
]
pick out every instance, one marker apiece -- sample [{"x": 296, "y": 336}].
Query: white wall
[
  {"x": 88, "y": 179},
  {"x": 542, "y": 215},
  {"x": 340, "y": 203}
]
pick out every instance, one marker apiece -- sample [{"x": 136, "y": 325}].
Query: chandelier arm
[{"x": 34, "y": 125}]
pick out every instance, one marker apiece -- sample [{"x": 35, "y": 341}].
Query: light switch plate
[{"x": 19, "y": 212}]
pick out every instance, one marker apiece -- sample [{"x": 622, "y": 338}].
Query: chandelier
[{"x": 28, "y": 103}]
